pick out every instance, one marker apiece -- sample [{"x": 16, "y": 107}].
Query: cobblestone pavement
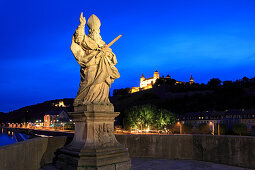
[{"x": 166, "y": 164}]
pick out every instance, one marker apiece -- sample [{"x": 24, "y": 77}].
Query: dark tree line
[{"x": 213, "y": 84}]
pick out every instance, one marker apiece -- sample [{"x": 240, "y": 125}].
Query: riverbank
[{"x": 37, "y": 132}]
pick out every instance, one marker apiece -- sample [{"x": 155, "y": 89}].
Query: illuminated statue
[
  {"x": 94, "y": 145},
  {"x": 97, "y": 63}
]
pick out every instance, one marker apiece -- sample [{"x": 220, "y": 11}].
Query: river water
[{"x": 6, "y": 138}]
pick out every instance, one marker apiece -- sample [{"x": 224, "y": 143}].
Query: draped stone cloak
[{"x": 97, "y": 71}]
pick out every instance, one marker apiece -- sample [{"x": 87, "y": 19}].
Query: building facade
[
  {"x": 227, "y": 117},
  {"x": 54, "y": 118}
]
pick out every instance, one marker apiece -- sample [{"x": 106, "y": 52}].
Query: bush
[{"x": 240, "y": 129}]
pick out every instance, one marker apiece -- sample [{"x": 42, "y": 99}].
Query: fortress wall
[{"x": 230, "y": 150}]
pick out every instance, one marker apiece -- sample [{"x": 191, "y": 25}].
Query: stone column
[{"x": 94, "y": 145}]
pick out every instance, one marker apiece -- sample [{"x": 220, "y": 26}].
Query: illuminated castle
[
  {"x": 149, "y": 82},
  {"x": 60, "y": 104}
]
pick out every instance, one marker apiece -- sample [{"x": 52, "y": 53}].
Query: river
[{"x": 6, "y": 139}]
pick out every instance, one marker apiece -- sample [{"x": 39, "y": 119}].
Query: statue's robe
[{"x": 97, "y": 73}]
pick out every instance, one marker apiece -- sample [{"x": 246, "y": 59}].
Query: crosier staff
[
  {"x": 108, "y": 46},
  {"x": 113, "y": 41}
]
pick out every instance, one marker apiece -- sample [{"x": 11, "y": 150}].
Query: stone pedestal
[{"x": 94, "y": 145}]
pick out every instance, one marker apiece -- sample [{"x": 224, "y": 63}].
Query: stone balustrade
[{"x": 230, "y": 150}]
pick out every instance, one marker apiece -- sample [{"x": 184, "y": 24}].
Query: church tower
[
  {"x": 156, "y": 74},
  {"x": 191, "y": 80}
]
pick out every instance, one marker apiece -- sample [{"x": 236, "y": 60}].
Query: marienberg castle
[{"x": 149, "y": 82}]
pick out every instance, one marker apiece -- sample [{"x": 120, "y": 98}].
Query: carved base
[{"x": 94, "y": 145}]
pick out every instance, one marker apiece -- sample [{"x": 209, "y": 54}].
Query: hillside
[
  {"x": 185, "y": 98},
  {"x": 34, "y": 112}
]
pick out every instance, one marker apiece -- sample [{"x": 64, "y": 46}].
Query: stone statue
[
  {"x": 97, "y": 63},
  {"x": 94, "y": 145}
]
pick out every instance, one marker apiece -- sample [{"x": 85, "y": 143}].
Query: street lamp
[
  {"x": 219, "y": 128},
  {"x": 179, "y": 124},
  {"x": 212, "y": 124}
]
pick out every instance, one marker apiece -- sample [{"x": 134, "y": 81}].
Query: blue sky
[{"x": 208, "y": 38}]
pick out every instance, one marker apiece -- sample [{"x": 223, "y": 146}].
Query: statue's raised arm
[{"x": 80, "y": 31}]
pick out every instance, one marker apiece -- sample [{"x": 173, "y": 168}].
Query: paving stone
[{"x": 166, "y": 164}]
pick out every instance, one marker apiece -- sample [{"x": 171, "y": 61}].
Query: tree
[
  {"x": 245, "y": 81},
  {"x": 163, "y": 119},
  {"x": 165, "y": 81},
  {"x": 121, "y": 91},
  {"x": 214, "y": 83},
  {"x": 147, "y": 116},
  {"x": 240, "y": 129}
]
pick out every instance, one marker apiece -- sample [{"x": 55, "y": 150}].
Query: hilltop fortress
[{"x": 149, "y": 82}]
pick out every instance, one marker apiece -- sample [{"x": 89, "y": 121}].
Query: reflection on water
[{"x": 6, "y": 137}]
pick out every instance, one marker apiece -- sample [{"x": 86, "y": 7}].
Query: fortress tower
[
  {"x": 191, "y": 80},
  {"x": 142, "y": 79},
  {"x": 156, "y": 74}
]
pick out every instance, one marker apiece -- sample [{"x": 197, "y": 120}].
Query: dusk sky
[{"x": 208, "y": 38}]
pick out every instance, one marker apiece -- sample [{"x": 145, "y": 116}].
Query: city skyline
[{"x": 211, "y": 39}]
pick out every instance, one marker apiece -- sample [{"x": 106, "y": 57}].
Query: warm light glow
[
  {"x": 147, "y": 130},
  {"x": 146, "y": 83}
]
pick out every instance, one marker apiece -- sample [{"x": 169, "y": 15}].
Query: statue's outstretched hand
[{"x": 82, "y": 19}]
